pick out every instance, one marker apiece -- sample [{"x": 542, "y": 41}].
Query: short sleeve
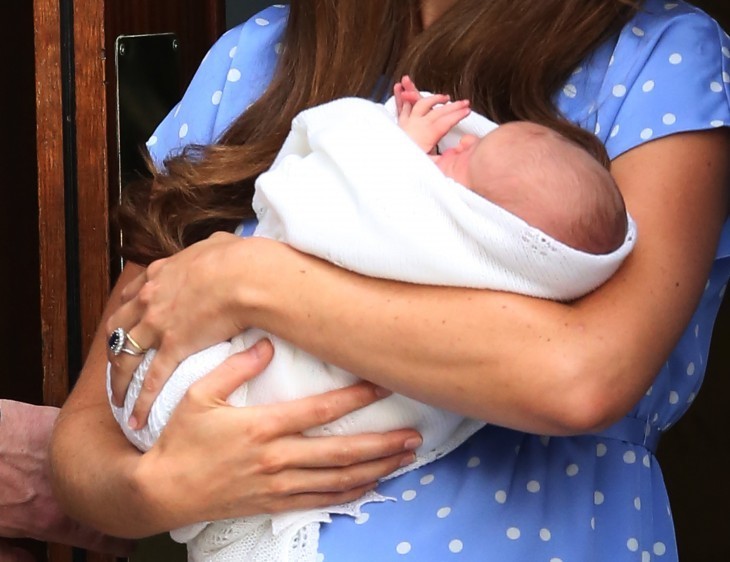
[
  {"x": 233, "y": 74},
  {"x": 668, "y": 74}
]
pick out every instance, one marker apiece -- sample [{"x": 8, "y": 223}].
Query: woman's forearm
[
  {"x": 529, "y": 364},
  {"x": 93, "y": 464}
]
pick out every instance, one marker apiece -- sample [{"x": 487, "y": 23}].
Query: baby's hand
[
  {"x": 405, "y": 92},
  {"x": 420, "y": 117}
]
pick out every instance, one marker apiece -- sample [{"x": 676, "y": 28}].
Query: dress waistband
[{"x": 633, "y": 430}]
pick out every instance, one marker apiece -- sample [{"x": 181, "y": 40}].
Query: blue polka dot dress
[{"x": 506, "y": 495}]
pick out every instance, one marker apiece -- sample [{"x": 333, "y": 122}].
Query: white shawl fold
[{"x": 350, "y": 187}]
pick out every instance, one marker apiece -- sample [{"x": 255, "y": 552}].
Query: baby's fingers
[
  {"x": 425, "y": 105},
  {"x": 445, "y": 117}
]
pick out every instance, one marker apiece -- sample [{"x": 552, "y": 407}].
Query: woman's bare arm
[
  {"x": 213, "y": 461},
  {"x": 525, "y": 363}
]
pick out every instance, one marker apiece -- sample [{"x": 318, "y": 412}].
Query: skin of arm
[
  {"x": 264, "y": 463},
  {"x": 529, "y": 364}
]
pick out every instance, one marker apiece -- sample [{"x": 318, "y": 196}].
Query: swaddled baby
[{"x": 514, "y": 208}]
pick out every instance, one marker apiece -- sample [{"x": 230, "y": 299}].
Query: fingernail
[
  {"x": 408, "y": 459},
  {"x": 413, "y": 443},
  {"x": 132, "y": 422},
  {"x": 382, "y": 392},
  {"x": 257, "y": 347}
]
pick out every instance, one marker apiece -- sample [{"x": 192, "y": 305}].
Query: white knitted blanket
[{"x": 349, "y": 186}]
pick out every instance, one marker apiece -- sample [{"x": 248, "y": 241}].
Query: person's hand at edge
[{"x": 27, "y": 506}]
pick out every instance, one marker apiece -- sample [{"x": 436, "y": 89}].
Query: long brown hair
[{"x": 507, "y": 56}]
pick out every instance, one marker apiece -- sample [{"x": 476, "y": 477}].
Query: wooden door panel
[{"x": 76, "y": 141}]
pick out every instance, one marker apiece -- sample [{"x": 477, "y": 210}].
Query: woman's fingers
[
  {"x": 297, "y": 416},
  {"x": 215, "y": 387},
  {"x": 341, "y": 451}
]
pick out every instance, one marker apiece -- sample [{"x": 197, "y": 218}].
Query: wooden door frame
[{"x": 74, "y": 87}]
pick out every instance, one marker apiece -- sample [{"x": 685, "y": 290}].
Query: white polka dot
[
  {"x": 597, "y": 128},
  {"x": 572, "y": 469},
  {"x": 232, "y": 52},
  {"x": 474, "y": 462},
  {"x": 183, "y": 132},
  {"x": 670, "y": 5},
  {"x": 277, "y": 48},
  {"x": 629, "y": 457},
  {"x": 500, "y": 496},
  {"x": 717, "y": 123},
  {"x": 725, "y": 77},
  {"x": 545, "y": 534},
  {"x": 646, "y": 133},
  {"x": 645, "y": 556},
  {"x": 217, "y": 95},
  {"x": 611, "y": 60},
  {"x": 262, "y": 21},
  {"x": 646, "y": 461},
  {"x": 691, "y": 365},
  {"x": 655, "y": 418},
  {"x": 691, "y": 397},
  {"x": 673, "y": 397},
  {"x": 598, "y": 497},
  {"x": 619, "y": 90},
  {"x": 601, "y": 450},
  {"x": 637, "y": 31},
  {"x": 152, "y": 141},
  {"x": 513, "y": 533},
  {"x": 409, "y": 495},
  {"x": 675, "y": 58},
  {"x": 578, "y": 70},
  {"x": 443, "y": 512},
  {"x": 570, "y": 90},
  {"x": 660, "y": 548},
  {"x": 650, "y": 390},
  {"x": 234, "y": 75},
  {"x": 726, "y": 52},
  {"x": 637, "y": 503},
  {"x": 716, "y": 87},
  {"x": 632, "y": 544},
  {"x": 533, "y": 486},
  {"x": 648, "y": 86},
  {"x": 556, "y": 560},
  {"x": 669, "y": 119},
  {"x": 426, "y": 480},
  {"x": 615, "y": 131},
  {"x": 697, "y": 330},
  {"x": 403, "y": 548},
  {"x": 362, "y": 518},
  {"x": 456, "y": 546},
  {"x": 593, "y": 523}
]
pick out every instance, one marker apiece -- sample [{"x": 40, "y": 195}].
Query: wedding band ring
[{"x": 121, "y": 342}]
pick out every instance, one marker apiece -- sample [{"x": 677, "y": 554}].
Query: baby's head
[{"x": 545, "y": 179}]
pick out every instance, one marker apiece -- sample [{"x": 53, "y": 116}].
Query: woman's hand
[
  {"x": 28, "y": 508},
  {"x": 179, "y": 305},
  {"x": 244, "y": 461}
]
